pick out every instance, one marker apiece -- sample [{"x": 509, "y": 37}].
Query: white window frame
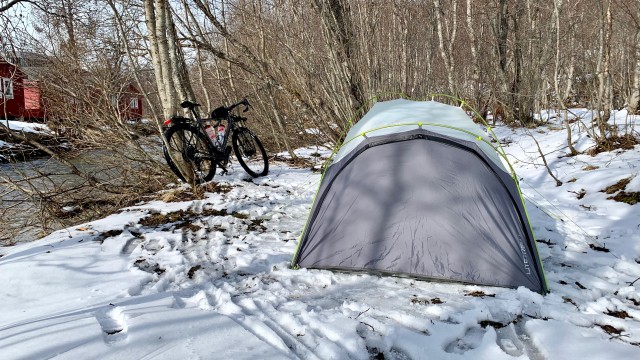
[
  {"x": 134, "y": 103},
  {"x": 7, "y": 88}
]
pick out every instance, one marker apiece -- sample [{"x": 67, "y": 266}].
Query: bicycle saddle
[{"x": 188, "y": 104}]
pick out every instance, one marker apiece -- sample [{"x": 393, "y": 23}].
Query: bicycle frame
[
  {"x": 220, "y": 157},
  {"x": 237, "y": 138}
]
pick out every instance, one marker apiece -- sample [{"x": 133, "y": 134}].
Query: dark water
[{"x": 20, "y": 217}]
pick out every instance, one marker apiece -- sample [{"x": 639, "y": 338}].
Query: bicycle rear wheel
[
  {"x": 193, "y": 150},
  {"x": 250, "y": 152}
]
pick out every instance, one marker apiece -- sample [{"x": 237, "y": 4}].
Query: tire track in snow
[{"x": 299, "y": 348}]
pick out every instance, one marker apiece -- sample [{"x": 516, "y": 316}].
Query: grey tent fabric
[{"x": 423, "y": 204}]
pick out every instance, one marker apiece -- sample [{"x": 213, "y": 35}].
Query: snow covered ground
[
  {"x": 210, "y": 279},
  {"x": 8, "y": 149},
  {"x": 29, "y": 127}
]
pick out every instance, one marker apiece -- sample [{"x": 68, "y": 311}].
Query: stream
[{"x": 20, "y": 215}]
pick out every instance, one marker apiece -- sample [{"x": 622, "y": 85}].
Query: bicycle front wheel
[
  {"x": 193, "y": 151},
  {"x": 250, "y": 152}
]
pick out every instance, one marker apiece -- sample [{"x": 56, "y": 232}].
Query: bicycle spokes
[
  {"x": 192, "y": 151},
  {"x": 247, "y": 146},
  {"x": 250, "y": 153}
]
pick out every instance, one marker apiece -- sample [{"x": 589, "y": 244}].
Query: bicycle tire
[
  {"x": 250, "y": 152},
  {"x": 171, "y": 164},
  {"x": 193, "y": 147}
]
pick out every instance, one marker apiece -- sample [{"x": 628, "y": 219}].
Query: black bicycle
[{"x": 201, "y": 144}]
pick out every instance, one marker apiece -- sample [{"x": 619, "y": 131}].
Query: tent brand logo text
[{"x": 523, "y": 249}]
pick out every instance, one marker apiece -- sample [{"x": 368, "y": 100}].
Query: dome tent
[{"x": 417, "y": 189}]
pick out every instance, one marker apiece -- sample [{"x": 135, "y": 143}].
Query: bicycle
[{"x": 196, "y": 142}]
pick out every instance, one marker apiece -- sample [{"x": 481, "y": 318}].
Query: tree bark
[
  {"x": 446, "y": 41},
  {"x": 501, "y": 30},
  {"x": 179, "y": 74},
  {"x": 475, "y": 66},
  {"x": 154, "y": 50},
  {"x": 602, "y": 70},
  {"x": 634, "y": 98},
  {"x": 168, "y": 66},
  {"x": 336, "y": 20},
  {"x": 557, "y": 9}
]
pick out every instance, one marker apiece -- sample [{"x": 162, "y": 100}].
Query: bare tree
[
  {"x": 634, "y": 97},
  {"x": 8, "y": 4},
  {"x": 560, "y": 96},
  {"x": 338, "y": 27},
  {"x": 169, "y": 69},
  {"x": 82, "y": 78},
  {"x": 447, "y": 30}
]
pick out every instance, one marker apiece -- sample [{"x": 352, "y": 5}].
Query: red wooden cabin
[
  {"x": 33, "y": 105},
  {"x": 23, "y": 98},
  {"x": 130, "y": 103},
  {"x": 11, "y": 91}
]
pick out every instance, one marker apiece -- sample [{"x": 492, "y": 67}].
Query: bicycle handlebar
[
  {"x": 244, "y": 102},
  {"x": 222, "y": 112}
]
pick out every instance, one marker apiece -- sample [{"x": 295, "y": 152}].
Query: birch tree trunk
[
  {"x": 169, "y": 69},
  {"x": 155, "y": 17},
  {"x": 270, "y": 93},
  {"x": 603, "y": 71},
  {"x": 154, "y": 49},
  {"x": 223, "y": 19},
  {"x": 557, "y": 7},
  {"x": 192, "y": 23},
  {"x": 181, "y": 84},
  {"x": 521, "y": 91},
  {"x": 608, "y": 90},
  {"x": 634, "y": 98},
  {"x": 501, "y": 30},
  {"x": 127, "y": 48},
  {"x": 169, "y": 66},
  {"x": 205, "y": 91},
  {"x": 446, "y": 41},
  {"x": 336, "y": 20},
  {"x": 475, "y": 66}
]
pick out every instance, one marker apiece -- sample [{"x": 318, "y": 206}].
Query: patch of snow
[
  {"x": 634, "y": 184},
  {"x": 216, "y": 283},
  {"x": 26, "y": 127},
  {"x": 311, "y": 153},
  {"x": 4, "y": 144}
]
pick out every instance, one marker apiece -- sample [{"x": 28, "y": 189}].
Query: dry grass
[
  {"x": 297, "y": 162},
  {"x": 188, "y": 194},
  {"x": 479, "y": 294},
  {"x": 158, "y": 219},
  {"x": 624, "y": 142},
  {"x": 610, "y": 329},
  {"x": 631, "y": 197},
  {"x": 620, "y": 185},
  {"x": 618, "y": 314}
]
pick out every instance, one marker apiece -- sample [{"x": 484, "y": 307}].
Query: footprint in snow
[
  {"x": 112, "y": 321},
  {"x": 509, "y": 341},
  {"x": 471, "y": 340}
]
